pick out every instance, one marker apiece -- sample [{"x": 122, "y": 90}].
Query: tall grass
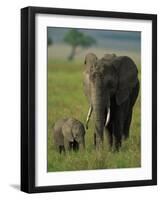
[{"x": 66, "y": 99}]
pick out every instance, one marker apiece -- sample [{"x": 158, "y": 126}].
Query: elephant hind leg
[{"x": 61, "y": 149}]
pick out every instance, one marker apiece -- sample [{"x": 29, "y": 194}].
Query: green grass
[{"x": 66, "y": 99}]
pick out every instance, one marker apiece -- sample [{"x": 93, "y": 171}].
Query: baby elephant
[{"x": 69, "y": 134}]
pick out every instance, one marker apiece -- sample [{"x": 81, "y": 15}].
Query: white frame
[{"x": 44, "y": 178}]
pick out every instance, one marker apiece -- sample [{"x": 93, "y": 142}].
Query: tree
[{"x": 75, "y": 39}]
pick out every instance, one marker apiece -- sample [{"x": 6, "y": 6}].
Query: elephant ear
[
  {"x": 127, "y": 77},
  {"x": 121, "y": 96},
  {"x": 90, "y": 59},
  {"x": 67, "y": 131}
]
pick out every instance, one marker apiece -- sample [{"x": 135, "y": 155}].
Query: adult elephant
[{"x": 112, "y": 86}]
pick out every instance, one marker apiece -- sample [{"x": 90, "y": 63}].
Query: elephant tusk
[
  {"x": 108, "y": 117},
  {"x": 88, "y": 116}
]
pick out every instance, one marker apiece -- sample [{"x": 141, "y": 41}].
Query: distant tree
[
  {"x": 50, "y": 41},
  {"x": 76, "y": 39}
]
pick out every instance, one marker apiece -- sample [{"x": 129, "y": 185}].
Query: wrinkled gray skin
[
  {"x": 109, "y": 57},
  {"x": 111, "y": 86},
  {"x": 69, "y": 134}
]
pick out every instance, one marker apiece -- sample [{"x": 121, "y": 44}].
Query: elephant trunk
[{"x": 98, "y": 111}]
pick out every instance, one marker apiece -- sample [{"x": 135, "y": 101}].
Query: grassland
[{"x": 66, "y": 98}]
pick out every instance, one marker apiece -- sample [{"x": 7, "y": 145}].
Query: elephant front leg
[
  {"x": 95, "y": 139},
  {"x": 109, "y": 134},
  {"x": 67, "y": 145},
  {"x": 75, "y": 146},
  {"x": 118, "y": 137},
  {"x": 119, "y": 127}
]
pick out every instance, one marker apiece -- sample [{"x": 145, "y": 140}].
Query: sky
[{"x": 116, "y": 40}]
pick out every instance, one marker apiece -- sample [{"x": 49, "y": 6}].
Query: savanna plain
[{"x": 66, "y": 99}]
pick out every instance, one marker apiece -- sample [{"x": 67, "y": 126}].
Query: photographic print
[
  {"x": 94, "y": 107},
  {"x": 88, "y": 99}
]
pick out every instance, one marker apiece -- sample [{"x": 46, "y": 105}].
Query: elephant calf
[{"x": 69, "y": 134}]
